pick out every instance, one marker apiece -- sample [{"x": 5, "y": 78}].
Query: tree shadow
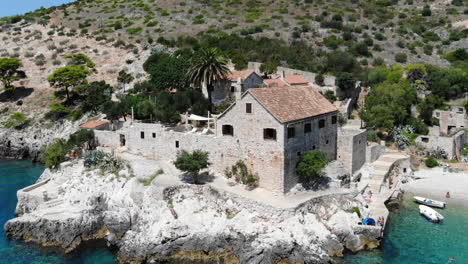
[
  {"x": 15, "y": 94},
  {"x": 318, "y": 184},
  {"x": 203, "y": 178}
]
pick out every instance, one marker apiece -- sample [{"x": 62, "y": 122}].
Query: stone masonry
[{"x": 269, "y": 129}]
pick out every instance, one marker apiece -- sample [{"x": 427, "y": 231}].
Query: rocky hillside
[{"x": 421, "y": 29}]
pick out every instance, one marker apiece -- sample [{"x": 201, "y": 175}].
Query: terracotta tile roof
[
  {"x": 295, "y": 79},
  {"x": 234, "y": 75},
  {"x": 93, "y": 124},
  {"x": 275, "y": 83},
  {"x": 292, "y": 103}
]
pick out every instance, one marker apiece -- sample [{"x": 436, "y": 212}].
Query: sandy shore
[{"x": 435, "y": 183}]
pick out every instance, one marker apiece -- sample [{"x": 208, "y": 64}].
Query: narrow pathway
[{"x": 381, "y": 169}]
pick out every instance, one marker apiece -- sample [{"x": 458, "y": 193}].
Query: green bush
[
  {"x": 311, "y": 164},
  {"x": 16, "y": 120},
  {"x": 56, "y": 153},
  {"x": 372, "y": 136},
  {"x": 401, "y": 57},
  {"x": 192, "y": 163},
  {"x": 431, "y": 162},
  {"x": 356, "y": 210},
  {"x": 241, "y": 174},
  {"x": 105, "y": 162},
  {"x": 147, "y": 181}
]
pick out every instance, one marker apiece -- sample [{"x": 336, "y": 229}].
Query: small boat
[
  {"x": 430, "y": 202},
  {"x": 430, "y": 214}
]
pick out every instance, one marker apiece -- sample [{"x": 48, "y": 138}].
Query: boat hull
[
  {"x": 429, "y": 202},
  {"x": 430, "y": 214}
]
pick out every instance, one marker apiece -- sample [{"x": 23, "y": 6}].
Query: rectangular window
[
  {"x": 248, "y": 108},
  {"x": 291, "y": 132},
  {"x": 154, "y": 135},
  {"x": 307, "y": 128},
  {"x": 321, "y": 123},
  {"x": 177, "y": 144},
  {"x": 333, "y": 119},
  {"x": 269, "y": 133},
  {"x": 142, "y": 134},
  {"x": 228, "y": 130}
]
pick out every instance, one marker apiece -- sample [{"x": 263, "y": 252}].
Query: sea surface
[
  {"x": 17, "y": 7},
  {"x": 409, "y": 239},
  {"x": 15, "y": 175}
]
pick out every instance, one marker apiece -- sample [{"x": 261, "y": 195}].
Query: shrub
[
  {"x": 105, "y": 162},
  {"x": 241, "y": 174},
  {"x": 147, "y": 181},
  {"x": 311, "y": 164},
  {"x": 57, "y": 111},
  {"x": 401, "y": 57},
  {"x": 372, "y": 136},
  {"x": 319, "y": 79},
  {"x": 356, "y": 210},
  {"x": 16, "y": 120},
  {"x": 55, "y": 153},
  {"x": 431, "y": 162}
]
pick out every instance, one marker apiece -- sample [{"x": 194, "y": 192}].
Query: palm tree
[{"x": 208, "y": 66}]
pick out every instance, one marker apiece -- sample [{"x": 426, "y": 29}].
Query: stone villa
[{"x": 267, "y": 128}]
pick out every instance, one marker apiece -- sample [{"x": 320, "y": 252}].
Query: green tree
[
  {"x": 269, "y": 67},
  {"x": 208, "y": 66},
  {"x": 311, "y": 164},
  {"x": 96, "y": 95},
  {"x": 80, "y": 59},
  {"x": 16, "y": 120},
  {"x": 69, "y": 77},
  {"x": 124, "y": 77},
  {"x": 9, "y": 71},
  {"x": 55, "y": 153},
  {"x": 192, "y": 163},
  {"x": 426, "y": 11}
]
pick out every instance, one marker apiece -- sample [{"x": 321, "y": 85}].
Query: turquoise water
[
  {"x": 15, "y": 175},
  {"x": 412, "y": 239},
  {"x": 16, "y": 7}
]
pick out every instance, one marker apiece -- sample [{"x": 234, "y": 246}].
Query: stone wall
[
  {"x": 451, "y": 120},
  {"x": 107, "y": 138},
  {"x": 262, "y": 156},
  {"x": 451, "y": 145},
  {"x": 323, "y": 139},
  {"x": 373, "y": 152},
  {"x": 352, "y": 145}
]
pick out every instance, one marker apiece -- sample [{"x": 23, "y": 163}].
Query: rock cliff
[{"x": 182, "y": 223}]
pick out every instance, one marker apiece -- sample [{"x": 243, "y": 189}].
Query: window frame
[
  {"x": 248, "y": 108},
  {"x": 268, "y": 137},
  {"x": 307, "y": 128},
  {"x": 334, "y": 119},
  {"x": 291, "y": 132},
  {"x": 142, "y": 134},
  {"x": 321, "y": 123},
  {"x": 223, "y": 127}
]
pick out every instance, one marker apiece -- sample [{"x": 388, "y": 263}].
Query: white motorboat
[
  {"x": 430, "y": 214},
  {"x": 430, "y": 202}
]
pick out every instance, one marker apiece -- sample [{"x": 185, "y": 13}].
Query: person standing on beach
[{"x": 447, "y": 195}]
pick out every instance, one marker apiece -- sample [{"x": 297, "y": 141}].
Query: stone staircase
[{"x": 381, "y": 168}]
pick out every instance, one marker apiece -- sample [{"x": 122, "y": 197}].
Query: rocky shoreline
[{"x": 185, "y": 223}]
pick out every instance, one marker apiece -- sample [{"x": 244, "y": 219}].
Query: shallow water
[
  {"x": 15, "y": 175},
  {"x": 410, "y": 238}
]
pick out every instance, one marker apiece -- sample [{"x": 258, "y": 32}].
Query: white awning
[{"x": 196, "y": 118}]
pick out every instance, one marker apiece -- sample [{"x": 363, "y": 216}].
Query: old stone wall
[
  {"x": 451, "y": 120},
  {"x": 451, "y": 145},
  {"x": 263, "y": 156},
  {"x": 323, "y": 139},
  {"x": 352, "y": 144},
  {"x": 373, "y": 152},
  {"x": 107, "y": 138}
]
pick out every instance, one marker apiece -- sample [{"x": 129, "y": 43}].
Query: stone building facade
[
  {"x": 452, "y": 120},
  {"x": 452, "y": 145},
  {"x": 352, "y": 144},
  {"x": 236, "y": 83},
  {"x": 268, "y": 128}
]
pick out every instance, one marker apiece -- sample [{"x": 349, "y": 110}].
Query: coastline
[{"x": 435, "y": 183}]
